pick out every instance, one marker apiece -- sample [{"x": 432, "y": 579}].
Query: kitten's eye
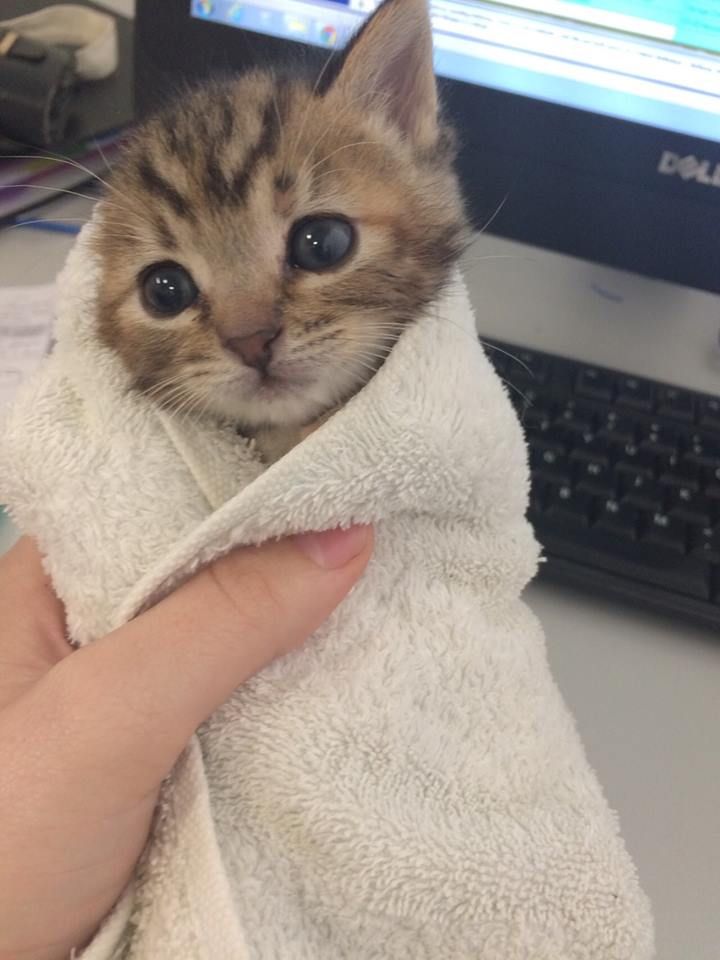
[
  {"x": 316, "y": 244},
  {"x": 167, "y": 289}
]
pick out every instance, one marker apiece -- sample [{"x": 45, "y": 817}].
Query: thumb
[{"x": 134, "y": 698}]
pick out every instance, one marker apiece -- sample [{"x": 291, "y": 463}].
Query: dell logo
[{"x": 690, "y": 168}]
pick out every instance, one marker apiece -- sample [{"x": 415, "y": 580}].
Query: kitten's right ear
[{"x": 390, "y": 61}]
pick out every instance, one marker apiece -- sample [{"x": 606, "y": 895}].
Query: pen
[{"x": 51, "y": 226}]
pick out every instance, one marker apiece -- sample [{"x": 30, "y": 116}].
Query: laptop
[{"x": 590, "y": 159}]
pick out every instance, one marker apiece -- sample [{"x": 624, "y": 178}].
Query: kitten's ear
[{"x": 391, "y": 59}]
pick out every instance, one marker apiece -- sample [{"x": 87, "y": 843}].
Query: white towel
[{"x": 410, "y": 785}]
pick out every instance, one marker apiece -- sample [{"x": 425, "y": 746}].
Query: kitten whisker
[
  {"x": 276, "y": 108},
  {"x": 350, "y": 363},
  {"x": 26, "y": 223},
  {"x": 178, "y": 379},
  {"x": 98, "y": 147},
  {"x": 62, "y": 190},
  {"x": 161, "y": 387},
  {"x": 502, "y": 203},
  {"x": 367, "y": 354},
  {"x": 185, "y": 412},
  {"x": 336, "y": 120},
  {"x": 497, "y": 256},
  {"x": 332, "y": 170},
  {"x": 350, "y": 369},
  {"x": 57, "y": 158},
  {"x": 185, "y": 405},
  {"x": 203, "y": 404},
  {"x": 167, "y": 389},
  {"x": 491, "y": 346},
  {"x": 83, "y": 220},
  {"x": 303, "y": 124},
  {"x": 105, "y": 202},
  {"x": 172, "y": 397},
  {"x": 473, "y": 336},
  {"x": 367, "y": 333},
  {"x": 38, "y": 186},
  {"x": 345, "y": 146},
  {"x": 122, "y": 225},
  {"x": 526, "y": 401}
]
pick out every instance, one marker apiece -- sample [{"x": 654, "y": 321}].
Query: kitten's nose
[{"x": 255, "y": 349}]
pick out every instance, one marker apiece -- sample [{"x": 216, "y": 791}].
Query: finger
[
  {"x": 32, "y": 621},
  {"x": 125, "y": 707}
]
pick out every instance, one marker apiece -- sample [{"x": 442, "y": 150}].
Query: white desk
[{"x": 645, "y": 691}]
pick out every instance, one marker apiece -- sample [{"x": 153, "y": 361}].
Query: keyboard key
[
  {"x": 705, "y": 543},
  {"x": 660, "y": 440},
  {"x": 595, "y": 478},
  {"x": 525, "y": 395},
  {"x": 617, "y": 429},
  {"x": 635, "y": 393},
  {"x": 709, "y": 413},
  {"x": 692, "y": 507},
  {"x": 548, "y": 441},
  {"x": 559, "y": 387},
  {"x": 675, "y": 403},
  {"x": 710, "y": 478},
  {"x": 665, "y": 531},
  {"x": 594, "y": 384},
  {"x": 617, "y": 518},
  {"x": 639, "y": 490},
  {"x": 577, "y": 418},
  {"x": 537, "y": 419},
  {"x": 590, "y": 452},
  {"x": 564, "y": 503},
  {"x": 668, "y": 463},
  {"x": 554, "y": 438},
  {"x": 703, "y": 451},
  {"x": 588, "y": 447},
  {"x": 631, "y": 459},
  {"x": 550, "y": 465},
  {"x": 519, "y": 400},
  {"x": 681, "y": 474},
  {"x": 526, "y": 366},
  {"x": 537, "y": 497},
  {"x": 668, "y": 569}
]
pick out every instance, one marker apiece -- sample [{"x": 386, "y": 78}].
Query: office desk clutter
[
  {"x": 43, "y": 55},
  {"x": 65, "y": 98}
]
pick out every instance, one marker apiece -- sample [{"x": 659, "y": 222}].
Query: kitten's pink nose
[{"x": 255, "y": 349}]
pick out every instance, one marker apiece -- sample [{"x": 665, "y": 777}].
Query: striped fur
[{"x": 216, "y": 184}]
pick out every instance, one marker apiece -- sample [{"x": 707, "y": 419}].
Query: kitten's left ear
[{"x": 391, "y": 60}]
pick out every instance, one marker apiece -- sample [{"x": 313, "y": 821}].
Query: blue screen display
[{"x": 655, "y": 62}]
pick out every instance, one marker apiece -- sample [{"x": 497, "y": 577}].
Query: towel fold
[{"x": 410, "y": 784}]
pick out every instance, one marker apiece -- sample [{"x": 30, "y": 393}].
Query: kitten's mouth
[
  {"x": 289, "y": 392},
  {"x": 271, "y": 382}
]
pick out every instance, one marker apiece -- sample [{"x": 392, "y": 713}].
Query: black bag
[{"x": 36, "y": 85}]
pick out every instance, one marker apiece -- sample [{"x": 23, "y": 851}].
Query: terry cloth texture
[{"x": 410, "y": 785}]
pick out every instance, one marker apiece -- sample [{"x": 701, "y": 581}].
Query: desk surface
[{"x": 645, "y": 691}]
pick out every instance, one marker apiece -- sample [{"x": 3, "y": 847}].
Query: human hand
[{"x": 87, "y": 736}]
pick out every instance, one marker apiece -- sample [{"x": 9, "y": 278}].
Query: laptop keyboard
[{"x": 625, "y": 479}]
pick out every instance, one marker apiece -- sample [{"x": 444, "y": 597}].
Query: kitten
[{"x": 266, "y": 240}]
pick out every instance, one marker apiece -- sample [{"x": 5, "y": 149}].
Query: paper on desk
[{"x": 27, "y": 315}]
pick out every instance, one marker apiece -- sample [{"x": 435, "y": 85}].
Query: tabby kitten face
[{"x": 265, "y": 242}]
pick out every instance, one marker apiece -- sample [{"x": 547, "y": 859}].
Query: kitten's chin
[{"x": 277, "y": 403}]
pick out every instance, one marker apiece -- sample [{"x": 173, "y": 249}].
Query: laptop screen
[{"x": 655, "y": 62}]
